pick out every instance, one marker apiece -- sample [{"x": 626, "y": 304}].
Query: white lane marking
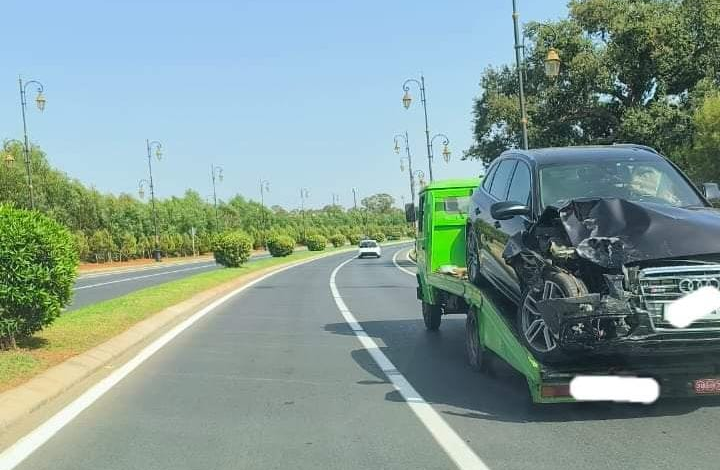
[
  {"x": 702, "y": 303},
  {"x": 22, "y": 449},
  {"x": 407, "y": 257},
  {"x": 142, "y": 277},
  {"x": 394, "y": 260},
  {"x": 452, "y": 444},
  {"x": 92, "y": 275}
]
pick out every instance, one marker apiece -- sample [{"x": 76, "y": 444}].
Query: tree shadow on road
[{"x": 434, "y": 363}]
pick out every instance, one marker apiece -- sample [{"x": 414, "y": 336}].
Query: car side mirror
[
  {"x": 508, "y": 209},
  {"x": 410, "y": 214},
  {"x": 712, "y": 191}
]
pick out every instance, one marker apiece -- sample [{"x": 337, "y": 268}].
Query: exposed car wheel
[
  {"x": 533, "y": 330},
  {"x": 473, "y": 350},
  {"x": 472, "y": 256},
  {"x": 432, "y": 316}
]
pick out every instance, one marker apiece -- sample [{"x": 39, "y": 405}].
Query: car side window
[
  {"x": 487, "y": 181},
  {"x": 500, "y": 182},
  {"x": 520, "y": 185}
]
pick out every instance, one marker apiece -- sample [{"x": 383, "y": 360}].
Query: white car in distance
[{"x": 369, "y": 248}]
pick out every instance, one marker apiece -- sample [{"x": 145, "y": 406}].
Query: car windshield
[
  {"x": 368, "y": 244},
  {"x": 637, "y": 181}
]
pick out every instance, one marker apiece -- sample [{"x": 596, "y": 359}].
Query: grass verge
[{"x": 82, "y": 329}]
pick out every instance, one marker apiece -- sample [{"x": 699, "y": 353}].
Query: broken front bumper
[{"x": 602, "y": 324}]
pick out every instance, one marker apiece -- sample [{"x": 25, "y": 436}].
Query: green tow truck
[{"x": 443, "y": 288}]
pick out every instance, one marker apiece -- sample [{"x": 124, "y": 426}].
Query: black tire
[
  {"x": 432, "y": 316},
  {"x": 561, "y": 285},
  {"x": 474, "y": 351},
  {"x": 472, "y": 261}
]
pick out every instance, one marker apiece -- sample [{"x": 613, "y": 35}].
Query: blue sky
[{"x": 303, "y": 93}]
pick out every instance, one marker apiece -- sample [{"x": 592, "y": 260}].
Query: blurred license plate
[{"x": 707, "y": 386}]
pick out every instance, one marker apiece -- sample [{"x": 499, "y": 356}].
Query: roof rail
[{"x": 637, "y": 146}]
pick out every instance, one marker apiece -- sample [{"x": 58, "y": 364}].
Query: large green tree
[{"x": 632, "y": 71}]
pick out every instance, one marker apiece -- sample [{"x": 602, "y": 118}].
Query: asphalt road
[
  {"x": 275, "y": 378},
  {"x": 98, "y": 287}
]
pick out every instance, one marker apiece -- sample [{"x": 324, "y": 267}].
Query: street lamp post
[
  {"x": 446, "y": 149},
  {"x": 40, "y": 101},
  {"x": 9, "y": 158},
  {"x": 552, "y": 70},
  {"x": 264, "y": 186},
  {"x": 216, "y": 172},
  {"x": 157, "y": 146},
  {"x": 407, "y": 100},
  {"x": 421, "y": 178},
  {"x": 406, "y": 139},
  {"x": 304, "y": 194},
  {"x": 518, "y": 60}
]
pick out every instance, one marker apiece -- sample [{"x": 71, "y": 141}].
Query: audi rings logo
[{"x": 691, "y": 285}]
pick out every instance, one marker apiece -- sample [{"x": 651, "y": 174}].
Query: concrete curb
[{"x": 19, "y": 402}]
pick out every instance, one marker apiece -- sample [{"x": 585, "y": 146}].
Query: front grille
[{"x": 660, "y": 286}]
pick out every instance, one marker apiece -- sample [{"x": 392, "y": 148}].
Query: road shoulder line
[
  {"x": 453, "y": 445},
  {"x": 394, "y": 260},
  {"x": 144, "y": 276},
  {"x": 18, "y": 403},
  {"x": 21, "y": 401}
]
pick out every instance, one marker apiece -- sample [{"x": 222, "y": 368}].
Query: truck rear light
[{"x": 555, "y": 391}]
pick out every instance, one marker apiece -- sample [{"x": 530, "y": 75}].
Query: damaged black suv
[{"x": 590, "y": 244}]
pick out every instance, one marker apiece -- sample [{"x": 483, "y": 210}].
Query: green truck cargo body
[{"x": 441, "y": 221}]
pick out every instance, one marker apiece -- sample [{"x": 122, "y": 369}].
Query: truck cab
[{"x": 440, "y": 247}]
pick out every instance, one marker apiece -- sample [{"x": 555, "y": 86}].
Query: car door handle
[{"x": 497, "y": 224}]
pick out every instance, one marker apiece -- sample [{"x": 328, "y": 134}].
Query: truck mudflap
[{"x": 678, "y": 377}]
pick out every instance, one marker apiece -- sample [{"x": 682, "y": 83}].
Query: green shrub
[
  {"x": 338, "y": 240},
  {"x": 378, "y": 236},
  {"x": 354, "y": 238},
  {"x": 232, "y": 249},
  {"x": 316, "y": 242},
  {"x": 280, "y": 245},
  {"x": 394, "y": 233},
  {"x": 38, "y": 266}
]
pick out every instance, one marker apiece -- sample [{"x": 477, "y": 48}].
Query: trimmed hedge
[
  {"x": 378, "y": 237},
  {"x": 316, "y": 242},
  {"x": 338, "y": 240},
  {"x": 233, "y": 249},
  {"x": 394, "y": 233},
  {"x": 280, "y": 245},
  {"x": 354, "y": 238},
  {"x": 38, "y": 267}
]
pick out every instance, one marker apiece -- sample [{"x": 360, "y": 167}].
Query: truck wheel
[
  {"x": 533, "y": 332},
  {"x": 432, "y": 316},
  {"x": 473, "y": 349},
  {"x": 472, "y": 257}
]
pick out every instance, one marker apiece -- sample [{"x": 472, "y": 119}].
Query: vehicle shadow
[{"x": 434, "y": 363}]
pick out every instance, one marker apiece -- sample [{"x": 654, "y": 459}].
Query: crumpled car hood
[{"x": 612, "y": 231}]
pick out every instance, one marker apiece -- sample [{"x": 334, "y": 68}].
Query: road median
[{"x": 81, "y": 343}]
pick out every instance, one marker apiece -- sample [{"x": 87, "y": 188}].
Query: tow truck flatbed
[{"x": 440, "y": 244}]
